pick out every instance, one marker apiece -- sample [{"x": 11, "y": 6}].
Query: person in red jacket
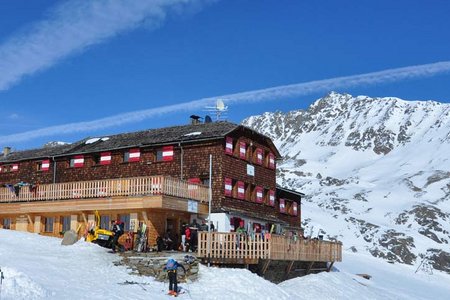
[{"x": 187, "y": 232}]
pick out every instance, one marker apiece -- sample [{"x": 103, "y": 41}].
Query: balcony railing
[
  {"x": 234, "y": 246},
  {"x": 135, "y": 186}
]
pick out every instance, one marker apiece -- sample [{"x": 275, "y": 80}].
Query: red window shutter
[
  {"x": 135, "y": 155},
  {"x": 259, "y": 156},
  {"x": 45, "y": 166},
  {"x": 282, "y": 205},
  {"x": 271, "y": 198},
  {"x": 195, "y": 180},
  {"x": 259, "y": 194},
  {"x": 15, "y": 168},
  {"x": 167, "y": 153},
  {"x": 78, "y": 161},
  {"x": 229, "y": 146},
  {"x": 240, "y": 190},
  {"x": 242, "y": 150},
  {"x": 271, "y": 161},
  {"x": 295, "y": 209},
  {"x": 228, "y": 186},
  {"x": 105, "y": 158}
]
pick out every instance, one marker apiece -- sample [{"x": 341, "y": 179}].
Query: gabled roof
[{"x": 151, "y": 137}]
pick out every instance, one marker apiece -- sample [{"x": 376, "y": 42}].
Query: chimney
[
  {"x": 195, "y": 119},
  {"x": 6, "y": 151}
]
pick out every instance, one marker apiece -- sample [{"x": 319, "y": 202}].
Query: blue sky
[{"x": 65, "y": 66}]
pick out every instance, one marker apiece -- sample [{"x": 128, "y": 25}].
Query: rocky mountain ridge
[{"x": 376, "y": 172}]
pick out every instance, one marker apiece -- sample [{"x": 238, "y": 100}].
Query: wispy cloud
[
  {"x": 13, "y": 116},
  {"x": 273, "y": 94},
  {"x": 75, "y": 25}
]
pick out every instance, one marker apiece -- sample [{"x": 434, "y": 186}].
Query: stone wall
[{"x": 152, "y": 264}]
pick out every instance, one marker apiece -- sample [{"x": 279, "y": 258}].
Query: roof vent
[
  {"x": 195, "y": 119},
  {"x": 6, "y": 151}
]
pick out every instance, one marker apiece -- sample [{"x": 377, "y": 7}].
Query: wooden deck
[
  {"x": 136, "y": 186},
  {"x": 234, "y": 248}
]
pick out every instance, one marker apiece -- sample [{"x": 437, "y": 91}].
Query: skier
[
  {"x": 118, "y": 229},
  {"x": 171, "y": 267}
]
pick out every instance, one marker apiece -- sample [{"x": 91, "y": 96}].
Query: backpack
[{"x": 171, "y": 265}]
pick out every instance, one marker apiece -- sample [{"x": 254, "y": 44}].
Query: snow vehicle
[{"x": 97, "y": 235}]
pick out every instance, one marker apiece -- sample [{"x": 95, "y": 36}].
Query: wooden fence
[
  {"x": 135, "y": 186},
  {"x": 234, "y": 246}
]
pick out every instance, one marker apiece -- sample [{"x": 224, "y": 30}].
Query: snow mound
[{"x": 17, "y": 285}]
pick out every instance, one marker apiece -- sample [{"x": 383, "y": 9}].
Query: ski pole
[{"x": 1, "y": 282}]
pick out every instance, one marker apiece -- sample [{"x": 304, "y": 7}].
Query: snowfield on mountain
[
  {"x": 375, "y": 171},
  {"x": 39, "y": 267}
]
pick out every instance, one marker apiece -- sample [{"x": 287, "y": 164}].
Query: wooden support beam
[
  {"x": 30, "y": 220},
  {"x": 330, "y": 266},
  {"x": 265, "y": 267},
  {"x": 288, "y": 269},
  {"x": 308, "y": 270},
  {"x": 83, "y": 215}
]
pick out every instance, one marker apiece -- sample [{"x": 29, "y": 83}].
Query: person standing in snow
[{"x": 171, "y": 267}]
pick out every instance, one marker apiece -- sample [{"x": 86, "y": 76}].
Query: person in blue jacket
[{"x": 171, "y": 267}]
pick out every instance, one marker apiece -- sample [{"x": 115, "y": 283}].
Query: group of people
[{"x": 189, "y": 235}]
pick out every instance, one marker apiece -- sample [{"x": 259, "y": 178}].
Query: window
[
  {"x": 271, "y": 160},
  {"x": 48, "y": 225},
  {"x": 240, "y": 190},
  {"x": 258, "y": 156},
  {"x": 242, "y": 150},
  {"x": 294, "y": 209},
  {"x": 65, "y": 223},
  {"x": 43, "y": 165},
  {"x": 228, "y": 187},
  {"x": 105, "y": 222},
  {"x": 105, "y": 158},
  {"x": 126, "y": 221},
  {"x": 282, "y": 206},
  {"x": 7, "y": 223},
  {"x": 259, "y": 194},
  {"x": 165, "y": 154},
  {"x": 132, "y": 155},
  {"x": 271, "y": 198},
  {"x": 77, "y": 161},
  {"x": 229, "y": 145},
  {"x": 205, "y": 181}
]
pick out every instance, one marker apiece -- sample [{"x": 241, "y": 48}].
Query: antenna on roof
[{"x": 220, "y": 109}]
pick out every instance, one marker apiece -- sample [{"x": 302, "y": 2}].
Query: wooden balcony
[
  {"x": 239, "y": 248},
  {"x": 123, "y": 187}
]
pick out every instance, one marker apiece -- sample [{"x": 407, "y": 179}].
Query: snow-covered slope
[
  {"x": 376, "y": 172},
  {"x": 38, "y": 267}
]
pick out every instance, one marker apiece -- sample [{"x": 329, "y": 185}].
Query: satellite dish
[
  {"x": 220, "y": 105},
  {"x": 208, "y": 119}
]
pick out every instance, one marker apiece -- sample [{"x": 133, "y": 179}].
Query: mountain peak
[{"x": 375, "y": 171}]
